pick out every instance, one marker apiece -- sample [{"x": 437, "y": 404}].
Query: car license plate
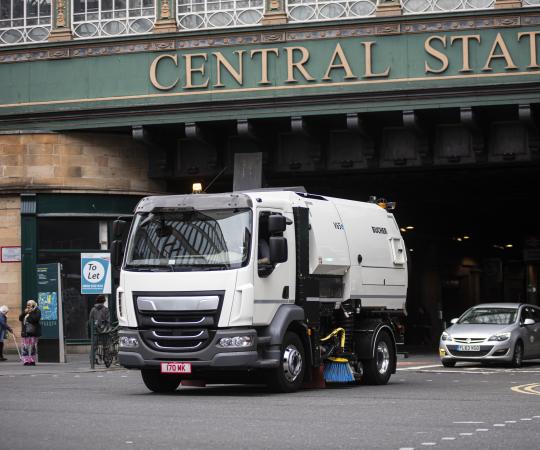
[
  {"x": 468, "y": 348},
  {"x": 175, "y": 367}
]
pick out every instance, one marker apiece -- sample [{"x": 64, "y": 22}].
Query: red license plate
[{"x": 175, "y": 367}]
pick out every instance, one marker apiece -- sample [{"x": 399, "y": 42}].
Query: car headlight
[
  {"x": 500, "y": 337},
  {"x": 445, "y": 336},
  {"x": 236, "y": 342}
]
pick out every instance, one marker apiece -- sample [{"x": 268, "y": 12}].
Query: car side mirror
[
  {"x": 528, "y": 322},
  {"x": 278, "y": 249},
  {"x": 454, "y": 320},
  {"x": 276, "y": 224}
]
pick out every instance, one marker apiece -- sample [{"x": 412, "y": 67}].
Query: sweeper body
[{"x": 272, "y": 286}]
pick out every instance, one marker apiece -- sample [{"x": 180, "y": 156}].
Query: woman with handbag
[{"x": 31, "y": 331}]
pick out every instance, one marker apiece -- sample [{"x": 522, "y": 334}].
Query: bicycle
[{"x": 104, "y": 347}]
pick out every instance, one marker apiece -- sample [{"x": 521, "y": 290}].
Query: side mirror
[
  {"x": 278, "y": 249},
  {"x": 117, "y": 253},
  {"x": 528, "y": 322},
  {"x": 119, "y": 228},
  {"x": 453, "y": 321},
  {"x": 276, "y": 224}
]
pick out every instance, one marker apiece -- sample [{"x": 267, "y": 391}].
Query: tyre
[
  {"x": 160, "y": 382},
  {"x": 377, "y": 371},
  {"x": 289, "y": 375},
  {"x": 448, "y": 363},
  {"x": 517, "y": 358}
]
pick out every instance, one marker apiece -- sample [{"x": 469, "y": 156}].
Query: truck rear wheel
[
  {"x": 377, "y": 370},
  {"x": 289, "y": 375},
  {"x": 160, "y": 382}
]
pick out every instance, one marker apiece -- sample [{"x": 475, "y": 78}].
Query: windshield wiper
[{"x": 150, "y": 267}]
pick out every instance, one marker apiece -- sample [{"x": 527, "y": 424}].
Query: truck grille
[{"x": 176, "y": 322}]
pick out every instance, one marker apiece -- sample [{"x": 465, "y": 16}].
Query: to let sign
[{"x": 95, "y": 273}]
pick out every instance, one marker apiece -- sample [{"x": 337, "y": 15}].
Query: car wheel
[
  {"x": 378, "y": 370},
  {"x": 448, "y": 363},
  {"x": 160, "y": 382},
  {"x": 517, "y": 359},
  {"x": 289, "y": 375}
]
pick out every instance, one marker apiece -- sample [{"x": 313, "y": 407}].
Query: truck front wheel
[
  {"x": 289, "y": 375},
  {"x": 160, "y": 382},
  {"x": 378, "y": 370}
]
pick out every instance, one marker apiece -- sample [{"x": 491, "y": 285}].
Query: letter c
[{"x": 153, "y": 72}]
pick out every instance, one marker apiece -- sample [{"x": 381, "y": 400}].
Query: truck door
[{"x": 274, "y": 283}]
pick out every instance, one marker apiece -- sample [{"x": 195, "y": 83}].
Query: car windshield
[
  {"x": 190, "y": 240},
  {"x": 489, "y": 316}
]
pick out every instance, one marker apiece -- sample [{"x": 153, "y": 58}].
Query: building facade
[{"x": 431, "y": 103}]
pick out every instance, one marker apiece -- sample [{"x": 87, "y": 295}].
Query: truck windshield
[
  {"x": 190, "y": 240},
  {"x": 490, "y": 316}
]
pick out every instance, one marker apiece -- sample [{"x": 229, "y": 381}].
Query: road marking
[
  {"x": 525, "y": 419},
  {"x": 406, "y": 448},
  {"x": 429, "y": 443},
  {"x": 531, "y": 388},
  {"x": 510, "y": 421},
  {"x": 499, "y": 424},
  {"x": 448, "y": 438},
  {"x": 468, "y": 422},
  {"x": 465, "y": 434},
  {"x": 420, "y": 367},
  {"x": 482, "y": 429}
]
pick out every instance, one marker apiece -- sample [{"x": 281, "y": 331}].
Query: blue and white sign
[{"x": 95, "y": 273}]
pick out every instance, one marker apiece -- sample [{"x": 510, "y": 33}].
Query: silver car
[{"x": 493, "y": 332}]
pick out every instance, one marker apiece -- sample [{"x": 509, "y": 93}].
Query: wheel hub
[
  {"x": 383, "y": 357},
  {"x": 292, "y": 363}
]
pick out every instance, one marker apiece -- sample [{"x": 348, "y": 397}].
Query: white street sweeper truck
[{"x": 269, "y": 286}]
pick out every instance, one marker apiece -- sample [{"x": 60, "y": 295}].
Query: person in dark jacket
[
  {"x": 4, "y": 329},
  {"x": 31, "y": 331},
  {"x": 100, "y": 321}
]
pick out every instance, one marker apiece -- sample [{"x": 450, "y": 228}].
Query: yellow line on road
[{"x": 531, "y": 388}]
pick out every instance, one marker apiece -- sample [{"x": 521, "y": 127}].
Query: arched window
[
  {"x": 201, "y": 14},
  {"x": 430, "y": 6},
  {"x": 319, "y": 10},
  {"x": 24, "y": 21},
  {"x": 101, "y": 18}
]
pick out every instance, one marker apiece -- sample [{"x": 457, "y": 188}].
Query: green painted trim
[
  {"x": 84, "y": 203},
  {"x": 28, "y": 248}
]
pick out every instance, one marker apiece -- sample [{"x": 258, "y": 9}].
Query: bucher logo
[
  {"x": 379, "y": 230},
  {"x": 338, "y": 226}
]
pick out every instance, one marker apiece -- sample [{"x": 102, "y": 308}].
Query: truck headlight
[
  {"x": 445, "y": 336},
  {"x": 236, "y": 342},
  {"x": 500, "y": 337},
  {"x": 128, "y": 342}
]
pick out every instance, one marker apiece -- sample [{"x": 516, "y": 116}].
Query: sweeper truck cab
[{"x": 271, "y": 286}]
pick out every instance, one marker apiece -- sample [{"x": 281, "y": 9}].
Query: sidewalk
[{"x": 76, "y": 363}]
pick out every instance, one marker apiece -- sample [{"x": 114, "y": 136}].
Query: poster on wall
[
  {"x": 49, "y": 299},
  {"x": 95, "y": 273},
  {"x": 9, "y": 254}
]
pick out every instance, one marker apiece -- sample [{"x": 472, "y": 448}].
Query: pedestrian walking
[
  {"x": 100, "y": 321},
  {"x": 4, "y": 329},
  {"x": 31, "y": 331}
]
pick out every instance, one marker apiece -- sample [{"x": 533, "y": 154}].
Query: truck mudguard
[
  {"x": 366, "y": 334},
  {"x": 285, "y": 315}
]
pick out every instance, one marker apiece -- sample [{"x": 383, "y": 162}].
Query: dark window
[{"x": 68, "y": 234}]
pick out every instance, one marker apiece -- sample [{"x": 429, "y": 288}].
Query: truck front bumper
[{"x": 212, "y": 357}]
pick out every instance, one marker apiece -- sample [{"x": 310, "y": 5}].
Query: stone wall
[
  {"x": 61, "y": 162},
  {"x": 89, "y": 162},
  {"x": 10, "y": 273}
]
